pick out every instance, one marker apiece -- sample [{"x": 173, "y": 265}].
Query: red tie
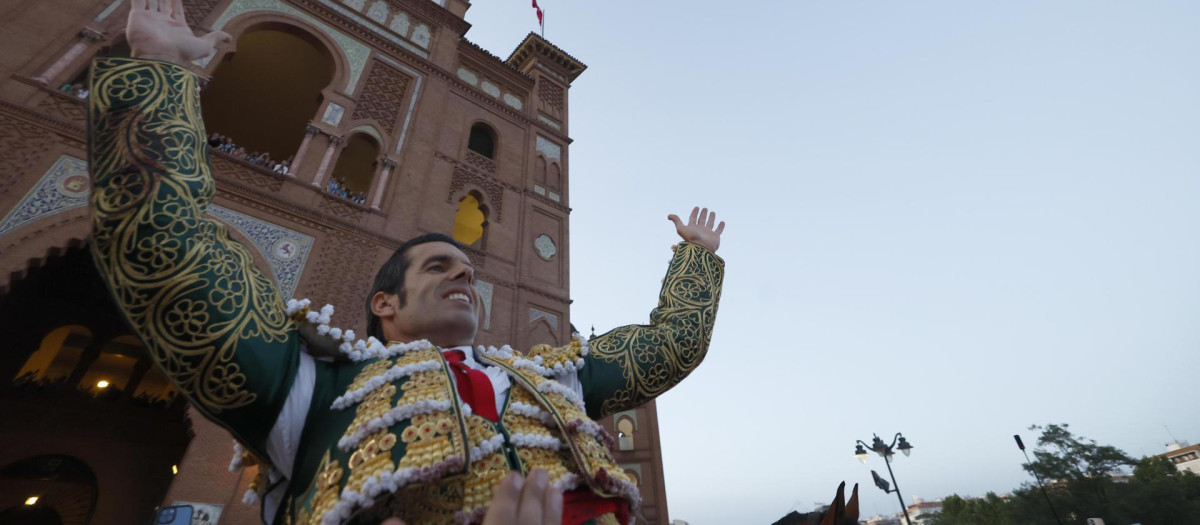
[{"x": 474, "y": 387}]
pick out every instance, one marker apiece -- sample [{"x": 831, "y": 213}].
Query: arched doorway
[
  {"x": 265, "y": 93},
  {"x": 45, "y": 490},
  {"x": 75, "y": 382}
]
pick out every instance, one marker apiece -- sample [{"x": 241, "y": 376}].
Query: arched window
[
  {"x": 355, "y": 168},
  {"x": 554, "y": 180},
  {"x": 263, "y": 95},
  {"x": 109, "y": 375},
  {"x": 56, "y": 357},
  {"x": 539, "y": 176},
  {"x": 482, "y": 140},
  {"x": 470, "y": 221},
  {"x": 625, "y": 434}
]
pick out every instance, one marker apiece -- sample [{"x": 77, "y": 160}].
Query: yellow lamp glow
[
  {"x": 174, "y": 469},
  {"x": 101, "y": 384},
  {"x": 31, "y": 500}
]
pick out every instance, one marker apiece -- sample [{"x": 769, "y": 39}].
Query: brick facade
[{"x": 403, "y": 73}]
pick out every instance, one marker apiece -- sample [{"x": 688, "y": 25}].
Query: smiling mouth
[{"x": 459, "y": 296}]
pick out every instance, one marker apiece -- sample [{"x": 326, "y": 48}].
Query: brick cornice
[{"x": 50, "y": 123}]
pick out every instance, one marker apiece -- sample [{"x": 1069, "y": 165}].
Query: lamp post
[{"x": 886, "y": 451}]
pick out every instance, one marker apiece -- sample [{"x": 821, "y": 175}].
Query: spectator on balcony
[
  {"x": 240, "y": 153},
  {"x": 81, "y": 92},
  {"x": 215, "y": 141}
]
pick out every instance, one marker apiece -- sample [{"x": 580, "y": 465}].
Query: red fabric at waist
[{"x": 581, "y": 505}]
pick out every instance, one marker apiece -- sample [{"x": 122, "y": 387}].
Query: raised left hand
[{"x": 699, "y": 228}]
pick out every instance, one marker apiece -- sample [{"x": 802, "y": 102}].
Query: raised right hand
[{"x": 157, "y": 30}]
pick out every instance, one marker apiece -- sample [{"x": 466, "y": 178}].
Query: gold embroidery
[
  {"x": 487, "y": 471},
  {"x": 193, "y": 295},
  {"x": 428, "y": 440},
  {"x": 322, "y": 494},
  {"x": 373, "y": 406},
  {"x": 656, "y": 357},
  {"x": 562, "y": 355},
  {"x": 556, "y": 463},
  {"x": 374, "y": 455},
  {"x": 377, "y": 367}
]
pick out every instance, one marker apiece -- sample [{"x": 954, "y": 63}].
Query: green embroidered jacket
[{"x": 217, "y": 327}]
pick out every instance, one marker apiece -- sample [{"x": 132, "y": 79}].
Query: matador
[{"x": 413, "y": 422}]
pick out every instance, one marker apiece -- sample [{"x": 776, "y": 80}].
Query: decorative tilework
[
  {"x": 375, "y": 29},
  {"x": 535, "y": 314},
  {"x": 466, "y": 75},
  {"x": 412, "y": 103},
  {"x": 549, "y": 149},
  {"x": 485, "y": 290},
  {"x": 356, "y": 4},
  {"x": 490, "y": 88},
  {"x": 545, "y": 246},
  {"x": 333, "y": 114},
  {"x": 400, "y": 24},
  {"x": 420, "y": 36},
  {"x": 378, "y": 12},
  {"x": 285, "y": 250},
  {"x": 356, "y": 52},
  {"x": 513, "y": 101},
  {"x": 64, "y": 186},
  {"x": 549, "y": 121}
]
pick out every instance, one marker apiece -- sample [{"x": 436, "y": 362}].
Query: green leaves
[{"x": 1084, "y": 480}]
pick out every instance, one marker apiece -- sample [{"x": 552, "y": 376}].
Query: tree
[
  {"x": 1077, "y": 473},
  {"x": 988, "y": 510},
  {"x": 1080, "y": 481}
]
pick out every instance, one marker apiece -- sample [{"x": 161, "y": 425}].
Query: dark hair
[{"x": 390, "y": 278}]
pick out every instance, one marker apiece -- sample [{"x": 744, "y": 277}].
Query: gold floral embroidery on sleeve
[
  {"x": 191, "y": 293},
  {"x": 654, "y": 358}
]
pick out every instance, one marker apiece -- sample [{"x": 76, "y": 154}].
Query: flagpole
[{"x": 543, "y": 23}]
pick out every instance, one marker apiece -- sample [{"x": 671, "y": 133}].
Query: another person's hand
[
  {"x": 157, "y": 30},
  {"x": 699, "y": 228},
  {"x": 523, "y": 501}
]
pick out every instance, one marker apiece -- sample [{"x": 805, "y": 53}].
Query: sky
[{"x": 944, "y": 218}]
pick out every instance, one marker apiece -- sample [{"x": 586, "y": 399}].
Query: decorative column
[
  {"x": 309, "y": 132},
  {"x": 87, "y": 37},
  {"x": 334, "y": 143},
  {"x": 381, "y": 180}
]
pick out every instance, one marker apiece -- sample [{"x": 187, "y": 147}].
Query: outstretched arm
[
  {"x": 634, "y": 364},
  {"x": 213, "y": 322}
]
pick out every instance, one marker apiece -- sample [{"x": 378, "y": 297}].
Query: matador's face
[{"x": 441, "y": 302}]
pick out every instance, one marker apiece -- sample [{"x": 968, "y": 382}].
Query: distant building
[
  {"x": 884, "y": 520},
  {"x": 924, "y": 509},
  {"x": 1184, "y": 456}
]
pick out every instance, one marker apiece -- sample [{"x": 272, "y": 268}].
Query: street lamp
[{"x": 886, "y": 452}]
